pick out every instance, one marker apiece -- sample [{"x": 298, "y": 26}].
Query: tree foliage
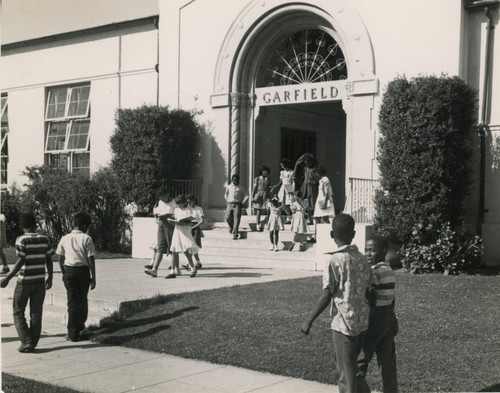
[
  {"x": 152, "y": 144},
  {"x": 425, "y": 153}
]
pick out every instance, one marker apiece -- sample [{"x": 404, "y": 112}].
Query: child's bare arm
[
  {"x": 62, "y": 258},
  {"x": 92, "y": 272},
  {"x": 19, "y": 264},
  {"x": 321, "y": 304},
  {"x": 50, "y": 271}
]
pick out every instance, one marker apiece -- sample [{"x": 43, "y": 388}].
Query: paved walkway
[{"x": 94, "y": 367}]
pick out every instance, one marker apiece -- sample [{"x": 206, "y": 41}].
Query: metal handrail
[{"x": 360, "y": 202}]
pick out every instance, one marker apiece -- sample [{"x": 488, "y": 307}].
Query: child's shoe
[
  {"x": 148, "y": 267},
  {"x": 152, "y": 273},
  {"x": 171, "y": 275},
  {"x": 186, "y": 266},
  {"x": 5, "y": 270},
  {"x": 291, "y": 247},
  {"x": 193, "y": 273},
  {"x": 272, "y": 248},
  {"x": 198, "y": 266},
  {"x": 26, "y": 348}
]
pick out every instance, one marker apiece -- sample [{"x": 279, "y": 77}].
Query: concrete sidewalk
[{"x": 94, "y": 367}]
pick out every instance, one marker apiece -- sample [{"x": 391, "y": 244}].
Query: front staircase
[{"x": 254, "y": 246}]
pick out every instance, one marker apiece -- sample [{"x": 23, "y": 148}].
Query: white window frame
[
  {"x": 69, "y": 92},
  {"x": 69, "y": 127},
  {"x": 71, "y": 122}
]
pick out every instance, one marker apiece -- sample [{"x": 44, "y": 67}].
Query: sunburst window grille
[{"x": 308, "y": 56}]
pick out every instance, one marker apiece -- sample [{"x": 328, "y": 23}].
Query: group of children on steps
[{"x": 288, "y": 203}]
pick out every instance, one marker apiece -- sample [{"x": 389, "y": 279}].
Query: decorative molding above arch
[{"x": 256, "y": 25}]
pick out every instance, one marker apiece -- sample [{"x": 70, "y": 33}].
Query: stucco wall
[{"x": 119, "y": 66}]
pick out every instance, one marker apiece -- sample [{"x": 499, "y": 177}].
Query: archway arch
[{"x": 259, "y": 25}]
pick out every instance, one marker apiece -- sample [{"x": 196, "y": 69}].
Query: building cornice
[{"x": 83, "y": 32}]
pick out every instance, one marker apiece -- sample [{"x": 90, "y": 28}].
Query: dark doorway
[{"x": 294, "y": 143}]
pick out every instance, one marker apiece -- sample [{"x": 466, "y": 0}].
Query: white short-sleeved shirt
[
  {"x": 77, "y": 247},
  {"x": 196, "y": 212}
]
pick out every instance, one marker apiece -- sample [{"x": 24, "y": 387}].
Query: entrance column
[{"x": 236, "y": 99}]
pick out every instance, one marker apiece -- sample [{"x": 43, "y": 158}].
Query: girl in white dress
[
  {"x": 199, "y": 218},
  {"x": 299, "y": 223},
  {"x": 274, "y": 221},
  {"x": 286, "y": 185},
  {"x": 324, "y": 207},
  {"x": 182, "y": 239}
]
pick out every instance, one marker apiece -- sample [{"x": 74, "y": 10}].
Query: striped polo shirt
[
  {"x": 384, "y": 281},
  {"x": 33, "y": 248}
]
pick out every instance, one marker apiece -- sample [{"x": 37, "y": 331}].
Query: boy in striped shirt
[
  {"x": 34, "y": 255},
  {"x": 383, "y": 324}
]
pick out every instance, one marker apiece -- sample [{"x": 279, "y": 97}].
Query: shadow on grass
[
  {"x": 121, "y": 339},
  {"x": 117, "y": 322},
  {"x": 492, "y": 388}
]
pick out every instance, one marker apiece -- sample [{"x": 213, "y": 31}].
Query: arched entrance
[
  {"x": 298, "y": 104},
  {"x": 330, "y": 109}
]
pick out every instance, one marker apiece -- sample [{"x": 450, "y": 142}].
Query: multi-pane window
[
  {"x": 5, "y": 141},
  {"x": 67, "y": 117}
]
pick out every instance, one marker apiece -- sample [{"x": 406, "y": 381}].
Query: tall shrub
[
  {"x": 111, "y": 222},
  {"x": 14, "y": 201},
  {"x": 57, "y": 196},
  {"x": 152, "y": 144},
  {"x": 425, "y": 153}
]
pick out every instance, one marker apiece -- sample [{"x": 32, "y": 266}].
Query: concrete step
[
  {"x": 262, "y": 262},
  {"x": 252, "y": 244},
  {"x": 259, "y": 253}
]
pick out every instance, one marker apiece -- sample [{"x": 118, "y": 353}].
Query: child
[
  {"x": 182, "y": 239},
  {"x": 307, "y": 173},
  {"x": 196, "y": 212},
  {"x": 3, "y": 243},
  {"x": 383, "y": 324},
  {"x": 163, "y": 210},
  {"x": 274, "y": 222},
  {"x": 299, "y": 224},
  {"x": 77, "y": 261},
  {"x": 324, "y": 207},
  {"x": 34, "y": 255},
  {"x": 261, "y": 192},
  {"x": 286, "y": 185},
  {"x": 346, "y": 277},
  {"x": 235, "y": 197}
]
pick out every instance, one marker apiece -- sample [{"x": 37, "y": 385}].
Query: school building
[{"x": 272, "y": 78}]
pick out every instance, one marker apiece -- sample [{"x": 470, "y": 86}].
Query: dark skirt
[{"x": 197, "y": 235}]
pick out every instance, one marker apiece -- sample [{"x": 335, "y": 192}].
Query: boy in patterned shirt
[
  {"x": 383, "y": 324},
  {"x": 346, "y": 279},
  {"x": 34, "y": 256}
]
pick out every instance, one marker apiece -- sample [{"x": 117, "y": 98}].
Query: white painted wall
[{"x": 119, "y": 66}]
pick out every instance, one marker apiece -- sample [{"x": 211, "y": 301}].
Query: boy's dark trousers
[
  {"x": 346, "y": 354},
  {"x": 379, "y": 339},
  {"x": 77, "y": 283},
  {"x": 233, "y": 217},
  {"x": 35, "y": 294}
]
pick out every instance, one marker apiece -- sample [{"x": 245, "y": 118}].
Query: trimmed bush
[
  {"x": 424, "y": 155},
  {"x": 111, "y": 222},
  {"x": 152, "y": 144},
  {"x": 433, "y": 249},
  {"x": 56, "y": 196},
  {"x": 14, "y": 202}
]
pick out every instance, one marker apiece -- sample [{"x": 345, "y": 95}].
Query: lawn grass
[
  {"x": 13, "y": 384},
  {"x": 449, "y": 336}
]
